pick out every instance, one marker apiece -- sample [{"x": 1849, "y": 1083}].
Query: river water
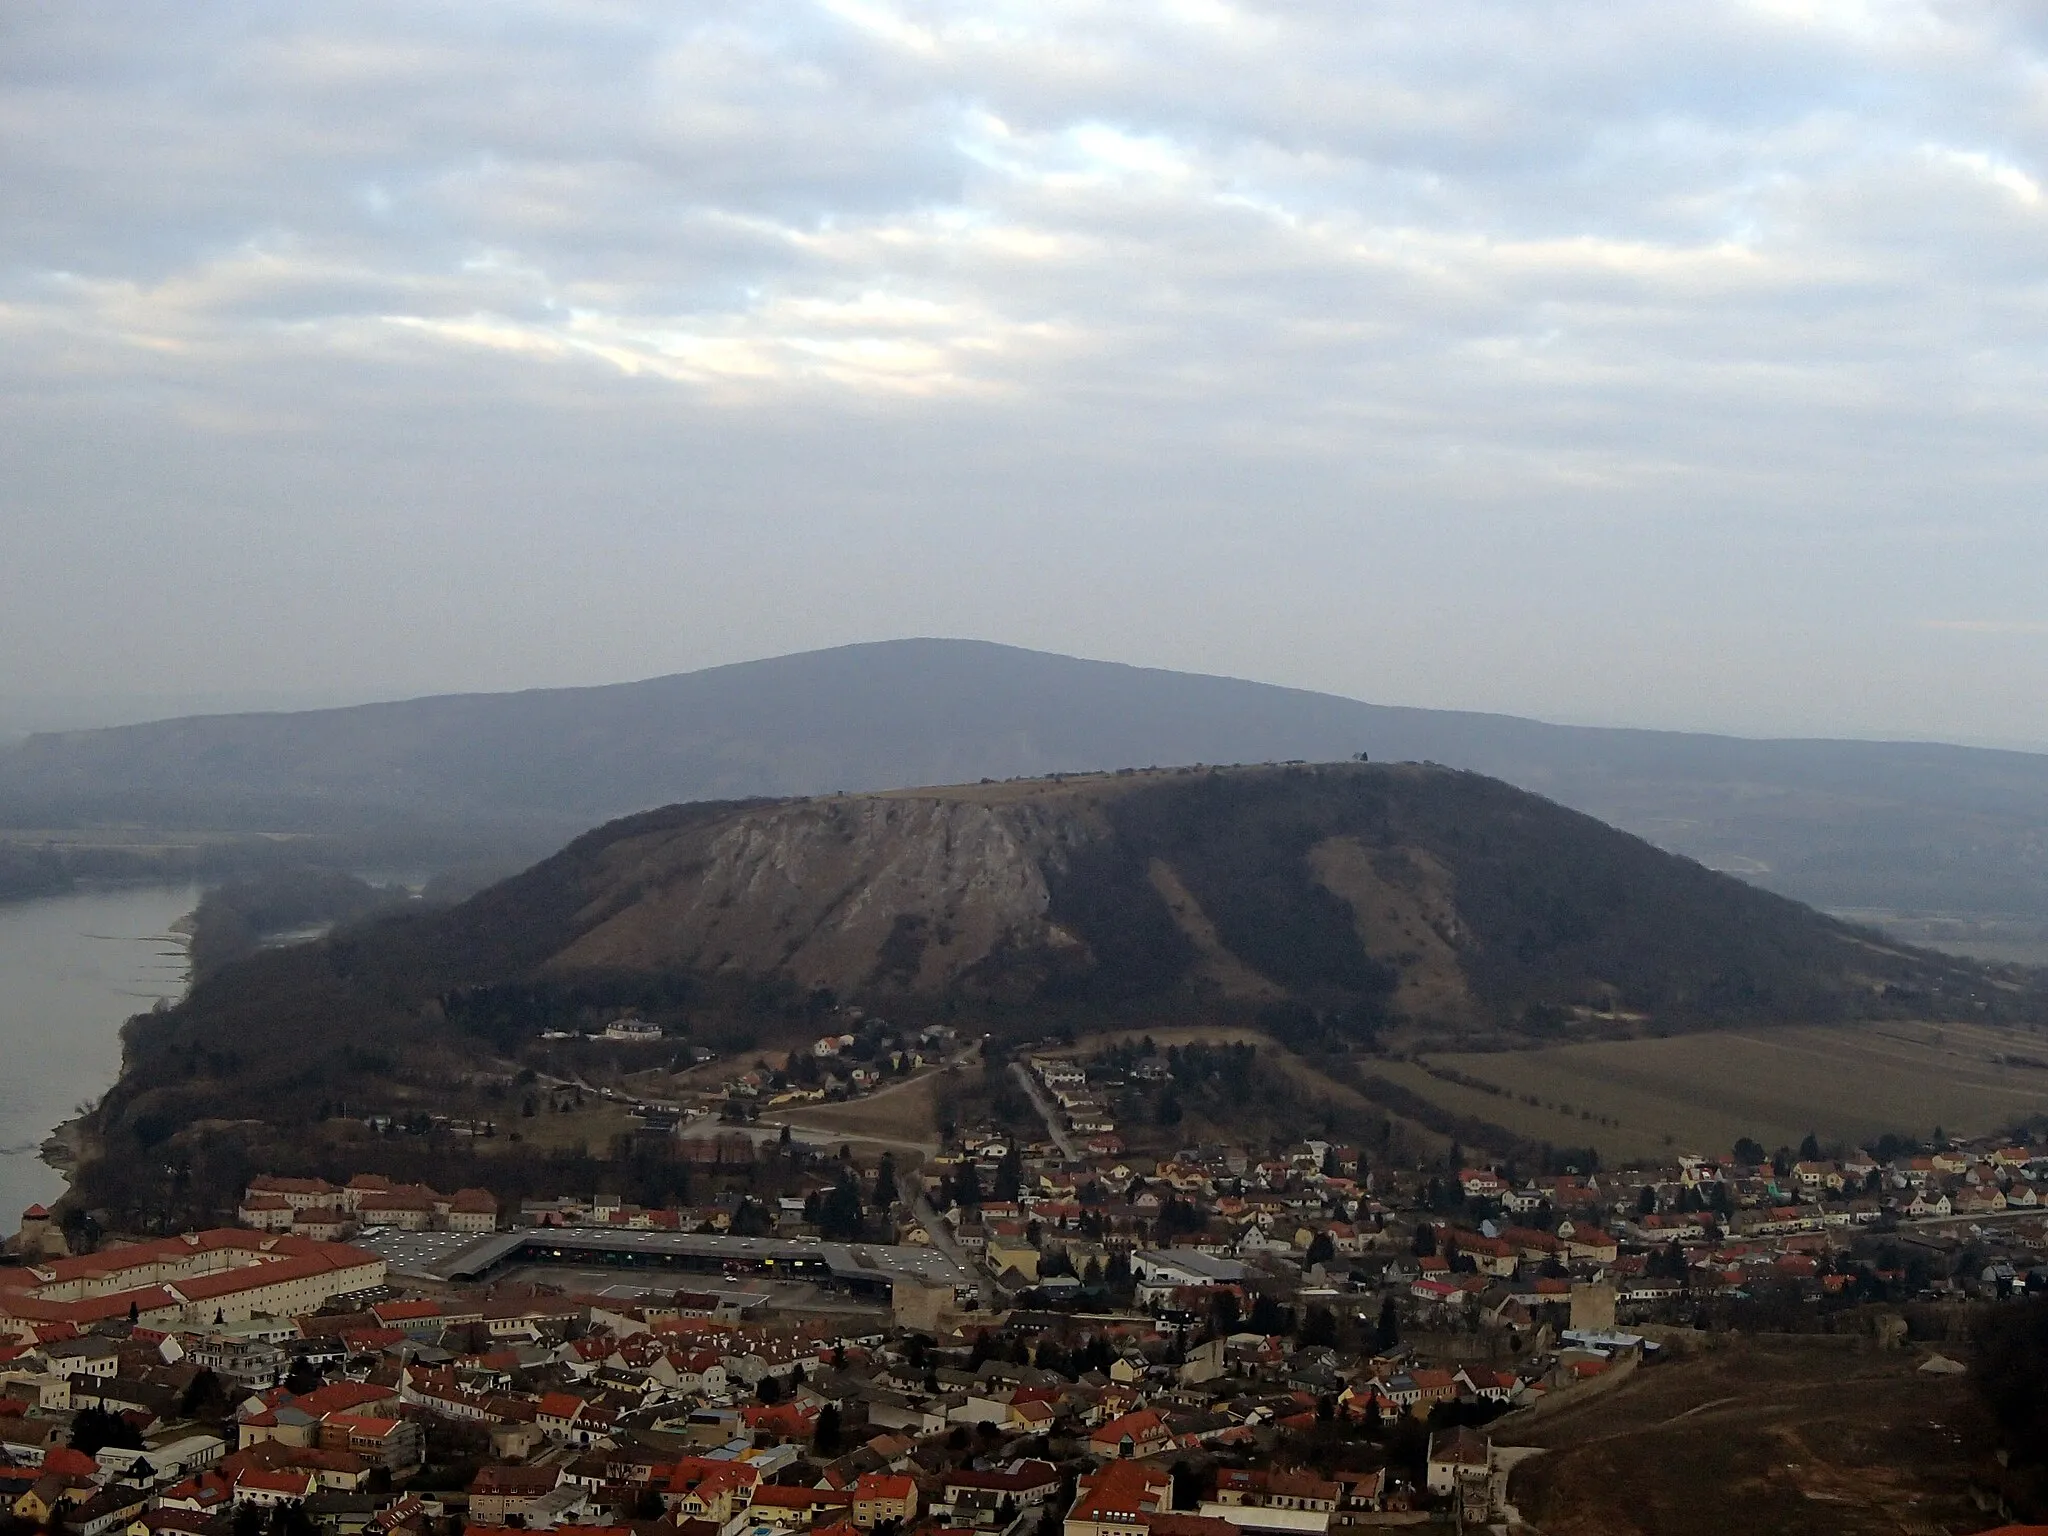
[{"x": 72, "y": 970}]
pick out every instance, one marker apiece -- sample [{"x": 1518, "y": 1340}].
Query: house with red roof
[
  {"x": 1131, "y": 1436},
  {"x": 268, "y": 1489},
  {"x": 785, "y": 1421},
  {"x": 880, "y": 1496},
  {"x": 1119, "y": 1500},
  {"x": 702, "y": 1489},
  {"x": 202, "y": 1495}
]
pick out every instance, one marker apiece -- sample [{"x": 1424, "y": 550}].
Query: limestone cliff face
[
  {"x": 1346, "y": 897},
  {"x": 904, "y": 892}
]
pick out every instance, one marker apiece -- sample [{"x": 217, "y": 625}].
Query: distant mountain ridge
[{"x": 1838, "y": 823}]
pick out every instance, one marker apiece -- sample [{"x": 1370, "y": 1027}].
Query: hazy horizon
[
  {"x": 1656, "y": 366},
  {"x": 26, "y": 715}
]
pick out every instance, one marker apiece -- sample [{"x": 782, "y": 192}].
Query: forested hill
[
  {"x": 1336, "y": 907},
  {"x": 1858, "y": 824}
]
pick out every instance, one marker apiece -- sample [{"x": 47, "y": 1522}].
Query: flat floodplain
[{"x": 1647, "y": 1098}]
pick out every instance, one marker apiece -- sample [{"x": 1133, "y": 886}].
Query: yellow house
[
  {"x": 1023, "y": 1258},
  {"x": 41, "y": 1502}
]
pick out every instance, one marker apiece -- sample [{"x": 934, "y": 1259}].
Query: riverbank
[{"x": 74, "y": 968}]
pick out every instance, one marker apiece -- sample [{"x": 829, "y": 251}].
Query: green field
[{"x": 1650, "y": 1098}]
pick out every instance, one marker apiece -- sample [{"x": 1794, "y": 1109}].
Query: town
[{"x": 1025, "y": 1334}]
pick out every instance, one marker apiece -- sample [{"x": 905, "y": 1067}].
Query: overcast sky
[{"x": 1670, "y": 364}]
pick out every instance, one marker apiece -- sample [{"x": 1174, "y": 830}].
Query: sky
[{"x": 1660, "y": 364}]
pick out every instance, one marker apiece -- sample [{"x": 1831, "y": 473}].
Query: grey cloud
[{"x": 1561, "y": 356}]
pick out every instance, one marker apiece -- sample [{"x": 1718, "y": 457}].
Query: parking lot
[
  {"x": 411, "y": 1253},
  {"x": 609, "y": 1285}
]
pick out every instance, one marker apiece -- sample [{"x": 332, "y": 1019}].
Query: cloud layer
[{"x": 1665, "y": 363}]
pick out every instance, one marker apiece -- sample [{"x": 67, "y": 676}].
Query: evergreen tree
[
  {"x": 1010, "y": 1175},
  {"x": 1223, "y": 1312},
  {"x": 94, "y": 1428},
  {"x": 825, "y": 1433},
  {"x": 839, "y": 1213},
  {"x": 967, "y": 1187},
  {"x": 1269, "y": 1317}
]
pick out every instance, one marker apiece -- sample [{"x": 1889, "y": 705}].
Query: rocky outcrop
[{"x": 906, "y": 892}]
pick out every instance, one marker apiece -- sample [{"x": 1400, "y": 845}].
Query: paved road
[
  {"x": 942, "y": 1239},
  {"x": 1047, "y": 1111}
]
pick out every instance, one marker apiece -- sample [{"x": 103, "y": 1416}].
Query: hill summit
[
  {"x": 1363, "y": 897},
  {"x": 1382, "y": 893}
]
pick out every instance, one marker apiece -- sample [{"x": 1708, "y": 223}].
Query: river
[{"x": 72, "y": 971}]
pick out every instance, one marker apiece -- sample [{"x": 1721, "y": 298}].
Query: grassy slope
[
  {"x": 1554, "y": 907},
  {"x": 1645, "y": 1098}
]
